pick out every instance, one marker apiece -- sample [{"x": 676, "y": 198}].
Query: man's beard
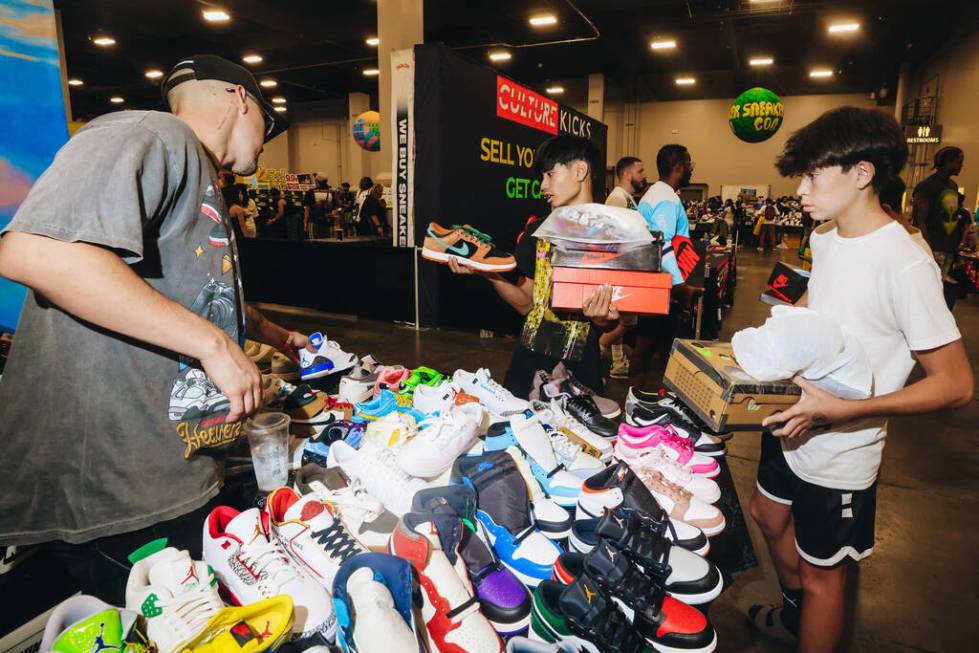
[
  {"x": 637, "y": 186},
  {"x": 685, "y": 181}
]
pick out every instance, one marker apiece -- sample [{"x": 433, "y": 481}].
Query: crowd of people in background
[{"x": 322, "y": 212}]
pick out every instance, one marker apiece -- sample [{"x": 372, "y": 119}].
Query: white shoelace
[
  {"x": 566, "y": 450},
  {"x": 657, "y": 460},
  {"x": 499, "y": 392},
  {"x": 261, "y": 555},
  {"x": 187, "y": 613},
  {"x": 352, "y": 500}
]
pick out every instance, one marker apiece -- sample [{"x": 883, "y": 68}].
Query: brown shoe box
[{"x": 707, "y": 378}]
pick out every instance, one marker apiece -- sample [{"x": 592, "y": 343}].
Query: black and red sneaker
[{"x": 666, "y": 623}]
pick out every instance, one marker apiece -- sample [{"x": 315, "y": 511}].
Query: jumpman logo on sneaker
[
  {"x": 191, "y": 573},
  {"x": 98, "y": 644},
  {"x": 589, "y": 594},
  {"x": 265, "y": 633}
]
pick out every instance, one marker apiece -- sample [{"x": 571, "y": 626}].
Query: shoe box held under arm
[{"x": 708, "y": 379}]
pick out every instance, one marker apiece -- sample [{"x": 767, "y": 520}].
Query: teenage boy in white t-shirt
[{"x": 816, "y": 495}]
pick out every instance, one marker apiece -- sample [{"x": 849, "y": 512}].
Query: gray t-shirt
[{"x": 103, "y": 434}]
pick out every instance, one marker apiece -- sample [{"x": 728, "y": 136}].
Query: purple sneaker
[{"x": 503, "y": 599}]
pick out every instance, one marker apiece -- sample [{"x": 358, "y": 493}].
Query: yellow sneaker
[{"x": 247, "y": 629}]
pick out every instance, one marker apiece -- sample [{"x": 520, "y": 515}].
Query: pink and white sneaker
[
  {"x": 390, "y": 378},
  {"x": 636, "y": 439},
  {"x": 656, "y": 459}
]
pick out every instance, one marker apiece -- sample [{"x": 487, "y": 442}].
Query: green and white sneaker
[
  {"x": 85, "y": 624},
  {"x": 176, "y": 595},
  {"x": 581, "y": 615}
]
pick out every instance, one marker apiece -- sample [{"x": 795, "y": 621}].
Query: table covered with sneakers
[{"x": 424, "y": 510}]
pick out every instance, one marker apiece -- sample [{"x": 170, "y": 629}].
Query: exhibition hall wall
[
  {"x": 957, "y": 71},
  {"x": 702, "y": 125}
]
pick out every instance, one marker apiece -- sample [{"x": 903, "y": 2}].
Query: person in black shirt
[
  {"x": 935, "y": 210},
  {"x": 370, "y": 216},
  {"x": 565, "y": 163}
]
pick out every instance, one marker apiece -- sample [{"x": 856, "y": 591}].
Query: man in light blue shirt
[{"x": 663, "y": 211}]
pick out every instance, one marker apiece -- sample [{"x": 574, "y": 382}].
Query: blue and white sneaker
[
  {"x": 532, "y": 440},
  {"x": 327, "y": 358},
  {"x": 375, "y": 409},
  {"x": 504, "y": 512}
]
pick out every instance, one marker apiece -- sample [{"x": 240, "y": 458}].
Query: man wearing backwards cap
[{"x": 127, "y": 377}]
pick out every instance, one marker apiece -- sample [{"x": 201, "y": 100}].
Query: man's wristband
[{"x": 286, "y": 346}]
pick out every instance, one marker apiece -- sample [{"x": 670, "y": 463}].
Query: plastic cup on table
[{"x": 268, "y": 439}]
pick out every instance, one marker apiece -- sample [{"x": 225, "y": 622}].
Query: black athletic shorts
[{"x": 829, "y": 524}]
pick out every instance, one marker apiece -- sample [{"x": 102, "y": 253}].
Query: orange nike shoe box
[{"x": 633, "y": 291}]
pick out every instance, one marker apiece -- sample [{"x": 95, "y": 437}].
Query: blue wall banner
[{"x": 33, "y": 124}]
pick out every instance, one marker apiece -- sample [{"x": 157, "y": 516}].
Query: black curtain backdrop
[{"x": 474, "y": 167}]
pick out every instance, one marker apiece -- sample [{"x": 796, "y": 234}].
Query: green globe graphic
[{"x": 756, "y": 115}]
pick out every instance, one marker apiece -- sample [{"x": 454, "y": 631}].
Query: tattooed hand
[{"x": 815, "y": 408}]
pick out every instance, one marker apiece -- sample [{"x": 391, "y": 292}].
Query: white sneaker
[
  {"x": 656, "y": 459},
  {"x": 378, "y": 626},
  {"x": 574, "y": 459},
  {"x": 306, "y": 528},
  {"x": 177, "y": 595},
  {"x": 441, "y": 441},
  {"x": 357, "y": 386},
  {"x": 252, "y": 567},
  {"x": 392, "y": 431},
  {"x": 431, "y": 400},
  {"x": 591, "y": 443},
  {"x": 377, "y": 471},
  {"x": 560, "y": 484},
  {"x": 551, "y": 519},
  {"x": 491, "y": 394},
  {"x": 363, "y": 516},
  {"x": 195, "y": 396}
]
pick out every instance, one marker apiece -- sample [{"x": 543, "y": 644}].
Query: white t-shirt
[
  {"x": 887, "y": 293},
  {"x": 619, "y": 197}
]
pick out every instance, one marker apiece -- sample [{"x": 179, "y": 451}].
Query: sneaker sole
[
  {"x": 511, "y": 629},
  {"x": 442, "y": 257},
  {"x": 662, "y": 648}
]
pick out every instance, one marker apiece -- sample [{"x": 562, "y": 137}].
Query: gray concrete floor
[{"x": 919, "y": 591}]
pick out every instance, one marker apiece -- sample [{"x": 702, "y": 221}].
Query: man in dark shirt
[
  {"x": 935, "y": 208},
  {"x": 565, "y": 163},
  {"x": 136, "y": 304}
]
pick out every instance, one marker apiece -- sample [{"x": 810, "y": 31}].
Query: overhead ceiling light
[
  {"x": 555, "y": 90},
  {"x": 153, "y": 73},
  {"x": 543, "y": 20},
  {"x": 373, "y": 41},
  {"x": 278, "y": 99},
  {"x": 686, "y": 81},
  {"x": 252, "y": 58},
  {"x": 843, "y": 28},
  {"x": 761, "y": 61},
  {"x": 663, "y": 44},
  {"x": 216, "y": 15},
  {"x": 75, "y": 82},
  {"x": 117, "y": 99},
  {"x": 371, "y": 72},
  {"x": 268, "y": 83},
  {"x": 104, "y": 41},
  {"x": 280, "y": 109},
  {"x": 500, "y": 55},
  {"x": 820, "y": 73}
]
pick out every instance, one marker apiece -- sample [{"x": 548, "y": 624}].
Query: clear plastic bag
[{"x": 595, "y": 224}]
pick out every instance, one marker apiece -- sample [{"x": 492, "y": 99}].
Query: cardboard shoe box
[
  {"x": 633, "y": 292},
  {"x": 707, "y": 378}
]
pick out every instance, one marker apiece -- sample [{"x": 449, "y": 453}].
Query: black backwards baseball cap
[{"x": 211, "y": 66}]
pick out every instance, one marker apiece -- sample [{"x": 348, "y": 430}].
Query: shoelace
[
  {"x": 355, "y": 498},
  {"x": 187, "y": 613},
  {"x": 657, "y": 523},
  {"x": 647, "y": 541},
  {"x": 639, "y": 591},
  {"x": 672, "y": 438},
  {"x": 337, "y": 542},
  {"x": 663, "y": 485},
  {"x": 564, "y": 448},
  {"x": 655, "y": 459},
  {"x": 386, "y": 459},
  {"x": 499, "y": 392},
  {"x": 475, "y": 233},
  {"x": 262, "y": 555},
  {"x": 611, "y": 627}
]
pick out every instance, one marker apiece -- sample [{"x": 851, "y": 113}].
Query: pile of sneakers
[{"x": 438, "y": 511}]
